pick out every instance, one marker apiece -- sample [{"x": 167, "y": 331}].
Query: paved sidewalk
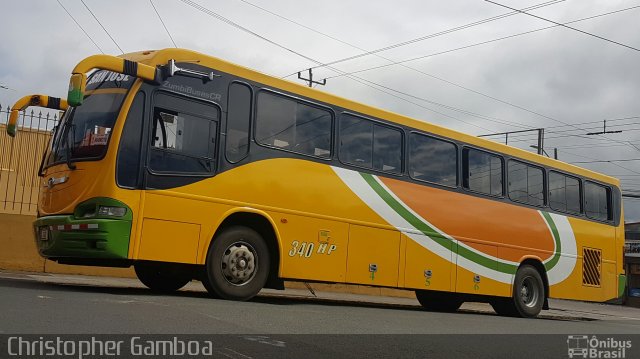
[{"x": 560, "y": 309}]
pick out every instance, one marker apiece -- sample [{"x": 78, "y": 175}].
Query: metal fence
[{"x": 20, "y": 159}]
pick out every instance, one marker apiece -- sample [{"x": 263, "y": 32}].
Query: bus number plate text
[{"x": 307, "y": 249}]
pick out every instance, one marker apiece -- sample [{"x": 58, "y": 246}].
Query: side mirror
[
  {"x": 77, "y": 85},
  {"x": 54, "y": 103},
  {"x": 78, "y": 81},
  {"x": 12, "y": 125}
]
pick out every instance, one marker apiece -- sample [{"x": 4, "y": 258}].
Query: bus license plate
[{"x": 44, "y": 234}]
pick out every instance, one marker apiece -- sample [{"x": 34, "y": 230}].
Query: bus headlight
[{"x": 111, "y": 211}]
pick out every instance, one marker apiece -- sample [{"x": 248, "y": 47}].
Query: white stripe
[
  {"x": 75, "y": 226},
  {"x": 568, "y": 248},
  {"x": 92, "y": 226}
]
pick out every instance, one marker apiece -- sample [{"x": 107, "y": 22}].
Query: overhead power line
[
  {"x": 481, "y": 43},
  {"x": 402, "y": 62},
  {"x": 355, "y": 78},
  {"x": 444, "y": 80},
  {"x": 242, "y": 28},
  {"x": 371, "y": 84},
  {"x": 598, "y": 121},
  {"x": 608, "y": 161},
  {"x": 595, "y": 159},
  {"x": 488, "y": 118},
  {"x": 621, "y": 127},
  {"x": 103, "y": 28},
  {"x": 163, "y": 24},
  {"x": 563, "y": 25},
  {"x": 430, "y": 36},
  {"x": 80, "y": 26}
]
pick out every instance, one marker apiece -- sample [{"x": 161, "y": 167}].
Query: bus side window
[
  {"x": 597, "y": 199},
  {"x": 238, "y": 122},
  {"x": 367, "y": 144},
  {"x": 433, "y": 160},
  {"x": 483, "y": 172},
  {"x": 293, "y": 125},
  {"x": 526, "y": 183},
  {"x": 182, "y": 143},
  {"x": 564, "y": 193}
]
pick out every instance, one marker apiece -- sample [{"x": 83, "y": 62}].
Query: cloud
[{"x": 559, "y": 73}]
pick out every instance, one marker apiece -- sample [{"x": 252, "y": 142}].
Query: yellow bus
[{"x": 189, "y": 167}]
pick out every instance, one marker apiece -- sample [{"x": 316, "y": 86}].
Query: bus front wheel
[
  {"x": 528, "y": 295},
  {"x": 438, "y": 301},
  {"x": 237, "y": 264},
  {"x": 161, "y": 278}
]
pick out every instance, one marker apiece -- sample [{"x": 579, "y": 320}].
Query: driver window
[{"x": 182, "y": 141}]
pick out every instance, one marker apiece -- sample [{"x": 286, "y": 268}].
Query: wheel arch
[{"x": 262, "y": 223}]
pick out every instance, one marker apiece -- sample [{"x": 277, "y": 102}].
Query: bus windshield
[{"x": 84, "y": 131}]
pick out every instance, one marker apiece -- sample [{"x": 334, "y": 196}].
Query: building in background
[{"x": 632, "y": 262}]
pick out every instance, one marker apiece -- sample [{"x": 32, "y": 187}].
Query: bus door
[{"x": 182, "y": 145}]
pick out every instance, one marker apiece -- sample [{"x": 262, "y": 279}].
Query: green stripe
[
  {"x": 622, "y": 284},
  {"x": 432, "y": 233},
  {"x": 556, "y": 237}
]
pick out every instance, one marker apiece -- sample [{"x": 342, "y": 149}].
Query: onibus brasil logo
[{"x": 583, "y": 346}]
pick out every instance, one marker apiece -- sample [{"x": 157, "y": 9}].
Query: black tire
[
  {"x": 244, "y": 278},
  {"x": 439, "y": 301},
  {"x": 528, "y": 295},
  {"x": 207, "y": 284},
  {"x": 161, "y": 278}
]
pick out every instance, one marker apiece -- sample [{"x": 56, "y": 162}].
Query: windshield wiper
[{"x": 50, "y": 146}]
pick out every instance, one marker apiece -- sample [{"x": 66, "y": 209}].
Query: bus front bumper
[{"x": 64, "y": 236}]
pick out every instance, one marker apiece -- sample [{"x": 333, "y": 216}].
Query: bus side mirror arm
[
  {"x": 78, "y": 80},
  {"x": 51, "y": 102}
]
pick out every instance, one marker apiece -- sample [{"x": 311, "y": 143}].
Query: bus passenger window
[
  {"x": 526, "y": 183},
  {"x": 483, "y": 172},
  {"x": 597, "y": 200},
  {"x": 564, "y": 193},
  {"x": 387, "y": 149},
  {"x": 182, "y": 143},
  {"x": 433, "y": 160},
  {"x": 292, "y": 125},
  {"x": 238, "y": 121},
  {"x": 367, "y": 144}
]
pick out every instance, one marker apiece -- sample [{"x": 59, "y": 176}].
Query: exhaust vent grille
[{"x": 591, "y": 266}]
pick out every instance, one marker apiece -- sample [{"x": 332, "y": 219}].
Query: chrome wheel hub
[{"x": 239, "y": 263}]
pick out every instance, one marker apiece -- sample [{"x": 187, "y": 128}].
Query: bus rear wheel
[
  {"x": 161, "y": 278},
  {"x": 237, "y": 264},
  {"x": 438, "y": 301},
  {"x": 528, "y": 295}
]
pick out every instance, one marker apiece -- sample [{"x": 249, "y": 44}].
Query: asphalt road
[{"x": 277, "y": 326}]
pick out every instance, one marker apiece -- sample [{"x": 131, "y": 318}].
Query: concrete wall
[{"x": 18, "y": 252}]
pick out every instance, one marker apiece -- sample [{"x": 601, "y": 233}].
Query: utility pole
[
  {"x": 310, "y": 79},
  {"x": 539, "y": 147},
  {"x": 555, "y": 152},
  {"x": 604, "y": 130}
]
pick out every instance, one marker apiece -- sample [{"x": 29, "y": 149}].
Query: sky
[{"x": 559, "y": 79}]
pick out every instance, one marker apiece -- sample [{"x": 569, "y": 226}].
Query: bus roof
[{"x": 161, "y": 57}]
